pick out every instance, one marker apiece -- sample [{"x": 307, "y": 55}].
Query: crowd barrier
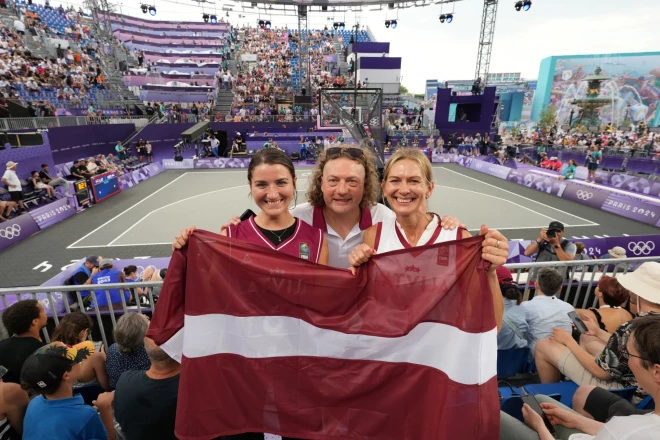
[
  {"x": 59, "y": 299},
  {"x": 627, "y": 206},
  {"x": 69, "y": 121}
]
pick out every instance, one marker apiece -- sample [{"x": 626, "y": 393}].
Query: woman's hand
[
  {"x": 451, "y": 223},
  {"x": 360, "y": 255},
  {"x": 560, "y": 416},
  {"x": 233, "y": 222},
  {"x": 181, "y": 240},
  {"x": 562, "y": 336},
  {"x": 495, "y": 247}
]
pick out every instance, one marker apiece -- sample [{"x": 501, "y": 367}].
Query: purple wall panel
[
  {"x": 17, "y": 229},
  {"x": 29, "y": 158},
  {"x": 54, "y": 212},
  {"x": 70, "y": 143},
  {"x": 370, "y": 47},
  {"x": 380, "y": 63}
]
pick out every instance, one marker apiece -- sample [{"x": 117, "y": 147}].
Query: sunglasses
[{"x": 355, "y": 153}]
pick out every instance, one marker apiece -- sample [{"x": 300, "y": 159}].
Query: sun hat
[
  {"x": 46, "y": 365},
  {"x": 11, "y": 164},
  {"x": 617, "y": 252},
  {"x": 644, "y": 281}
]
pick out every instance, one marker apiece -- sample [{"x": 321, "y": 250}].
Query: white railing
[
  {"x": 68, "y": 121},
  {"x": 578, "y": 290}
]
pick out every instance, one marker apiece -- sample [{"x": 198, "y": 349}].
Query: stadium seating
[{"x": 512, "y": 362}]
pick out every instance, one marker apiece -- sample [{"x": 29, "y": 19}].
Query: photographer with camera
[{"x": 551, "y": 246}]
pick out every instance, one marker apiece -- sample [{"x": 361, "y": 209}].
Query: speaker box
[{"x": 178, "y": 158}]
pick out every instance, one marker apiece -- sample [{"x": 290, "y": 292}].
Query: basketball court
[{"x": 142, "y": 222}]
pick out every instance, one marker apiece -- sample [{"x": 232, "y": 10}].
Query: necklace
[{"x": 279, "y": 236}]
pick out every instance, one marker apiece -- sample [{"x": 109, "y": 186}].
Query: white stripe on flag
[{"x": 467, "y": 358}]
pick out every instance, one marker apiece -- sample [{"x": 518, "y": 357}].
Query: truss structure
[{"x": 486, "y": 40}]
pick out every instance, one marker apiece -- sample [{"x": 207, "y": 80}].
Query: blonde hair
[
  {"x": 410, "y": 154},
  {"x": 368, "y": 161}
]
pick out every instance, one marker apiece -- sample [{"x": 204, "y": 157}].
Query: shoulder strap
[
  {"x": 512, "y": 326},
  {"x": 564, "y": 243}
]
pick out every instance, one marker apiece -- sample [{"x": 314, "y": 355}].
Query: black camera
[{"x": 551, "y": 233}]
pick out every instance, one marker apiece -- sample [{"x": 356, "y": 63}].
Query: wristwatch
[{"x": 557, "y": 246}]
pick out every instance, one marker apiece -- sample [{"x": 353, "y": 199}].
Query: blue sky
[{"x": 431, "y": 50}]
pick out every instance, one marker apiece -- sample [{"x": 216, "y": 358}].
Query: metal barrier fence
[
  {"x": 578, "y": 290},
  {"x": 68, "y": 121}
]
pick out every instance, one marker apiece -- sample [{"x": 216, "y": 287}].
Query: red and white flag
[{"x": 405, "y": 350}]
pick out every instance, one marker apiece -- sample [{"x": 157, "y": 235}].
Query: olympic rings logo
[
  {"x": 480, "y": 165},
  {"x": 10, "y": 232},
  {"x": 641, "y": 248},
  {"x": 584, "y": 195}
]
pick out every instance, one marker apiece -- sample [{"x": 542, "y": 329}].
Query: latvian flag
[{"x": 405, "y": 350}]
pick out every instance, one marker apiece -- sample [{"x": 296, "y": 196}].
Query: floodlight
[
  {"x": 393, "y": 22},
  {"x": 450, "y": 18},
  {"x": 519, "y": 6},
  {"x": 145, "y": 8},
  {"x": 387, "y": 23},
  {"x": 341, "y": 26},
  {"x": 268, "y": 25},
  {"x": 443, "y": 17},
  {"x": 205, "y": 17},
  {"x": 526, "y": 5},
  {"x": 335, "y": 25},
  {"x": 214, "y": 19},
  {"x": 152, "y": 10},
  {"x": 261, "y": 23}
]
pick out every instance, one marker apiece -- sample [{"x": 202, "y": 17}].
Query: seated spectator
[
  {"x": 46, "y": 178},
  {"x": 145, "y": 401},
  {"x": 83, "y": 275},
  {"x": 617, "y": 252},
  {"x": 73, "y": 329},
  {"x": 75, "y": 170},
  {"x": 561, "y": 355},
  {"x": 514, "y": 326},
  {"x": 50, "y": 372},
  {"x": 569, "y": 171},
  {"x": 13, "y": 403},
  {"x": 82, "y": 169},
  {"x": 545, "y": 311},
  {"x": 580, "y": 255},
  {"x": 643, "y": 351},
  {"x": 38, "y": 184},
  {"x": 128, "y": 352},
  {"x": 93, "y": 168},
  {"x": 108, "y": 274},
  {"x": 6, "y": 209},
  {"x": 23, "y": 321},
  {"x": 611, "y": 296},
  {"x": 14, "y": 187}
]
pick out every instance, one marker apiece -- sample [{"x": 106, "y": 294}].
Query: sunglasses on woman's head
[{"x": 355, "y": 153}]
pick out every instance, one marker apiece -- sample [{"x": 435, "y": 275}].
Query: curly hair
[
  {"x": 367, "y": 160},
  {"x": 614, "y": 294},
  {"x": 18, "y": 317},
  {"x": 70, "y": 327}
]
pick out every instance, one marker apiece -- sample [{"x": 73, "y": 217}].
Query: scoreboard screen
[{"x": 105, "y": 185}]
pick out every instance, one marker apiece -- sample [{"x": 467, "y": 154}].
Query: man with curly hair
[{"x": 23, "y": 321}]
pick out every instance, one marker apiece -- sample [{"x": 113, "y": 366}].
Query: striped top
[{"x": 6, "y": 431}]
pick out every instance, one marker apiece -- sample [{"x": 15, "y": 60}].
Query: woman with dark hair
[
  {"x": 569, "y": 171},
  {"x": 73, "y": 329},
  {"x": 611, "y": 296}
]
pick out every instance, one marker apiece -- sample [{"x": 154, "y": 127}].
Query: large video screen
[{"x": 105, "y": 185}]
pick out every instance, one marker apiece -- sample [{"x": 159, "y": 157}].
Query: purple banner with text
[
  {"x": 133, "y": 178},
  {"x": 54, "y": 212}
]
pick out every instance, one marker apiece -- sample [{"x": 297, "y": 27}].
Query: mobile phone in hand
[
  {"x": 534, "y": 404},
  {"x": 578, "y": 322}
]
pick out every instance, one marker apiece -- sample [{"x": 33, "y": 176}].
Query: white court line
[
  {"x": 518, "y": 195},
  {"x": 498, "y": 198},
  {"x": 121, "y": 245},
  {"x": 173, "y": 203},
  {"x": 625, "y": 235},
  {"x": 71, "y": 246}
]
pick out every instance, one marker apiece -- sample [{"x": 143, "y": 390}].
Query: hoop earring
[{"x": 295, "y": 197}]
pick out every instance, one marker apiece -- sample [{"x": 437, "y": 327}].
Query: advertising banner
[
  {"x": 185, "y": 164},
  {"x": 491, "y": 168},
  {"x": 223, "y": 162},
  {"x": 633, "y": 208},
  {"x": 133, "y": 178},
  {"x": 52, "y": 213},
  {"x": 585, "y": 195},
  {"x": 17, "y": 229},
  {"x": 538, "y": 182}
]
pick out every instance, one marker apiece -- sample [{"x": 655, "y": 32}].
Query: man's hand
[
  {"x": 181, "y": 240},
  {"x": 542, "y": 235},
  {"x": 552, "y": 240},
  {"x": 104, "y": 401},
  {"x": 95, "y": 271},
  {"x": 451, "y": 223}
]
